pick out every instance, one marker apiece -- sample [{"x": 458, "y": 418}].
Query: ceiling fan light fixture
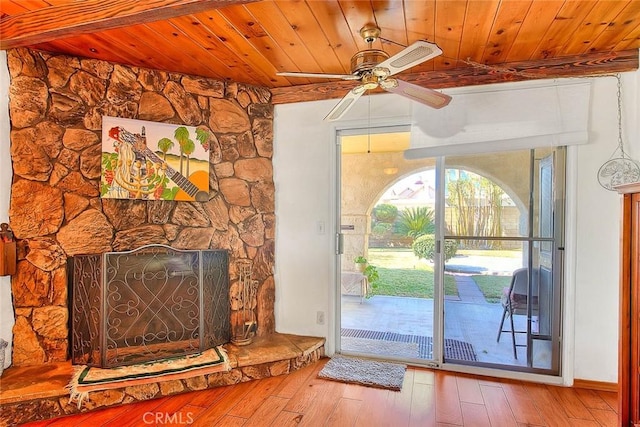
[{"x": 389, "y": 84}]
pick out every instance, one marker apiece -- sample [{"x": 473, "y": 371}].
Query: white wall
[
  {"x": 6, "y": 307},
  {"x": 303, "y": 168}
]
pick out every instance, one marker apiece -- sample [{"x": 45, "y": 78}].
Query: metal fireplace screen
[{"x": 152, "y": 303}]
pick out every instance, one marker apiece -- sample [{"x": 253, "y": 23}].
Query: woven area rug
[
  {"x": 365, "y": 372},
  {"x": 87, "y": 379}
]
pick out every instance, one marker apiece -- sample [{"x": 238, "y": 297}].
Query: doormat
[
  {"x": 407, "y": 350},
  {"x": 367, "y": 372},
  {"x": 87, "y": 379},
  {"x": 453, "y": 349}
]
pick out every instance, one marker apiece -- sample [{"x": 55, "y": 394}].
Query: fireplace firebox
[{"x": 151, "y": 303}]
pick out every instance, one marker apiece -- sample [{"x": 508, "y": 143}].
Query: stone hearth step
[{"x": 32, "y": 393}]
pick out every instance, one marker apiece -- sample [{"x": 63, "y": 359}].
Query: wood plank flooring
[{"x": 428, "y": 398}]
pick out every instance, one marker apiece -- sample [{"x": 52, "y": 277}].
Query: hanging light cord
[{"x": 619, "y": 95}]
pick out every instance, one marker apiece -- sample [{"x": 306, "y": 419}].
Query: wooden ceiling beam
[
  {"x": 477, "y": 74},
  {"x": 90, "y": 16}
]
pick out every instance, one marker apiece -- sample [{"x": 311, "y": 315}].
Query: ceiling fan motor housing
[{"x": 365, "y": 60}]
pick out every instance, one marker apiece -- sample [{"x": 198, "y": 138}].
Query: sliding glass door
[{"x": 454, "y": 260}]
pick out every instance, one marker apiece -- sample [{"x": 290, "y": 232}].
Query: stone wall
[{"x": 56, "y": 105}]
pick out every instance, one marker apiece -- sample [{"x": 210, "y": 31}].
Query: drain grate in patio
[{"x": 453, "y": 349}]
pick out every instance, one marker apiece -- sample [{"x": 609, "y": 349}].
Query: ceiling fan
[{"x": 374, "y": 67}]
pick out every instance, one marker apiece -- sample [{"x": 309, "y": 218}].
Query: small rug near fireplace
[
  {"x": 367, "y": 372},
  {"x": 87, "y": 379}
]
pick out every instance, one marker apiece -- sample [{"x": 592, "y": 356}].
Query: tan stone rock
[
  {"x": 55, "y": 349},
  {"x": 93, "y": 117},
  {"x": 263, "y": 196},
  {"x": 171, "y": 231},
  {"x": 123, "y": 86},
  {"x": 228, "y": 148},
  {"x": 30, "y": 286},
  {"x": 224, "y": 170},
  {"x": 57, "y": 174},
  {"x": 155, "y": 107},
  {"x": 127, "y": 110},
  {"x": 231, "y": 90},
  {"x": 226, "y": 116},
  {"x": 28, "y": 158},
  {"x": 215, "y": 151},
  {"x": 69, "y": 158},
  {"x": 190, "y": 214},
  {"x": 49, "y": 138},
  {"x": 88, "y": 233},
  {"x": 90, "y": 162},
  {"x": 237, "y": 214},
  {"x": 152, "y": 80},
  {"x": 31, "y": 63},
  {"x": 246, "y": 147},
  {"x": 104, "y": 398},
  {"x": 217, "y": 212},
  {"x": 28, "y": 98},
  {"x": 193, "y": 238},
  {"x": 263, "y": 136},
  {"x": 67, "y": 109},
  {"x": 61, "y": 68},
  {"x": 168, "y": 388},
  {"x": 46, "y": 254},
  {"x": 197, "y": 383},
  {"x": 134, "y": 238},
  {"x": 97, "y": 67},
  {"x": 254, "y": 170},
  {"x": 184, "y": 104},
  {"x": 230, "y": 240},
  {"x": 263, "y": 261},
  {"x": 90, "y": 88},
  {"x": 58, "y": 289},
  {"x": 36, "y": 209},
  {"x": 125, "y": 214},
  {"x": 159, "y": 211},
  {"x": 251, "y": 231},
  {"x": 143, "y": 391},
  {"x": 203, "y": 86},
  {"x": 259, "y": 95},
  {"x": 73, "y": 205},
  {"x": 50, "y": 321},
  {"x": 266, "y": 301},
  {"x": 224, "y": 378},
  {"x": 235, "y": 191},
  {"x": 279, "y": 368},
  {"x": 76, "y": 183},
  {"x": 255, "y": 372},
  {"x": 269, "y": 226},
  {"x": 261, "y": 111},
  {"x": 79, "y": 139},
  {"x": 26, "y": 348},
  {"x": 243, "y": 98}
]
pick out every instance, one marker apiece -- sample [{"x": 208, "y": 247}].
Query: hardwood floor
[{"x": 428, "y": 398}]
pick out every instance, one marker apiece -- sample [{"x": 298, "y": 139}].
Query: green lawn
[{"x": 403, "y": 274}]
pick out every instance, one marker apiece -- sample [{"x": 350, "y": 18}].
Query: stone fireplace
[
  {"x": 148, "y": 304},
  {"x": 56, "y": 105}
]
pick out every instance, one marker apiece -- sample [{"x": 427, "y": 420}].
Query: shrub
[{"x": 425, "y": 247}]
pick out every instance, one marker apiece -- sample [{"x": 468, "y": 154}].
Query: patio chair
[{"x": 514, "y": 301}]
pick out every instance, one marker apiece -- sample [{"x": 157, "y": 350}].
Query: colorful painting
[{"x": 154, "y": 161}]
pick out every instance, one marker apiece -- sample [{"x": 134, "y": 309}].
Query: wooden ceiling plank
[
  {"x": 537, "y": 22},
  {"x": 198, "y": 33},
  {"x": 420, "y": 20},
  {"x": 330, "y": 19},
  {"x": 89, "y": 16},
  {"x": 390, "y": 18},
  {"x": 571, "y": 66},
  {"x": 357, "y": 14},
  {"x": 224, "y": 30},
  {"x": 174, "y": 39},
  {"x": 477, "y": 28},
  {"x": 598, "y": 19},
  {"x": 506, "y": 26},
  {"x": 252, "y": 30},
  {"x": 285, "y": 37},
  {"x": 622, "y": 25},
  {"x": 304, "y": 23},
  {"x": 631, "y": 41},
  {"x": 449, "y": 21},
  {"x": 565, "y": 24}
]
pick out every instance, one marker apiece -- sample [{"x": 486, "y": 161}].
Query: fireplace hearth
[{"x": 147, "y": 304}]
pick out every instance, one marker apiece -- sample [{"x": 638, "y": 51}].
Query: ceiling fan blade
[
  {"x": 320, "y": 75},
  {"x": 345, "y": 103},
  {"x": 423, "y": 95},
  {"x": 410, "y": 56}
]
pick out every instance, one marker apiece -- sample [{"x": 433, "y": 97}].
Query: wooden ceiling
[{"x": 248, "y": 41}]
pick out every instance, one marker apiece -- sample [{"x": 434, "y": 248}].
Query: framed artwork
[{"x": 154, "y": 161}]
